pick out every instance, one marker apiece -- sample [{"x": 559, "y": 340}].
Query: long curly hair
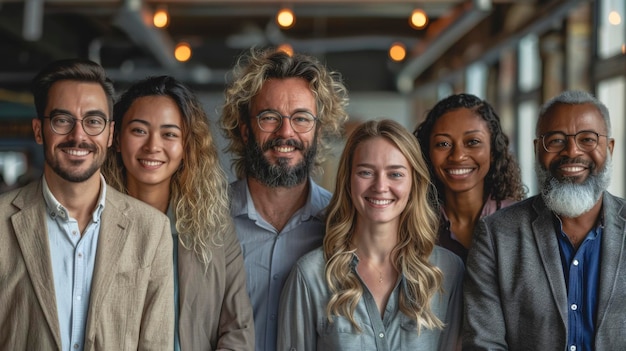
[
  {"x": 503, "y": 180},
  {"x": 416, "y": 237},
  {"x": 199, "y": 188},
  {"x": 250, "y": 74}
]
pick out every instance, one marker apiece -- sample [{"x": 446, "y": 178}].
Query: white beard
[{"x": 572, "y": 200}]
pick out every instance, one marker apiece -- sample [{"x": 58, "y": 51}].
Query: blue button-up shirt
[
  {"x": 582, "y": 269},
  {"x": 269, "y": 255},
  {"x": 73, "y": 258}
]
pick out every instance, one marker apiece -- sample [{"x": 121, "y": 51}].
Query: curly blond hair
[
  {"x": 199, "y": 188},
  {"x": 249, "y": 76},
  {"x": 416, "y": 237}
]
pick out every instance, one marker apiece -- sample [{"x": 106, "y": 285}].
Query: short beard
[
  {"x": 69, "y": 174},
  {"x": 280, "y": 174},
  {"x": 570, "y": 199}
]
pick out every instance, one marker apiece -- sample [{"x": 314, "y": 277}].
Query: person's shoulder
[
  {"x": 134, "y": 208},
  {"x": 447, "y": 261},
  {"x": 514, "y": 210},
  {"x": 311, "y": 258}
]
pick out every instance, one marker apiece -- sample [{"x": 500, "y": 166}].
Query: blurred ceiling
[{"x": 350, "y": 36}]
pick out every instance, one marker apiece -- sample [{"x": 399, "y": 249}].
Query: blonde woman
[
  {"x": 379, "y": 282},
  {"x": 164, "y": 155}
]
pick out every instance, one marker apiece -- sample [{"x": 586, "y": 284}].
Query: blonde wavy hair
[
  {"x": 199, "y": 188},
  {"x": 416, "y": 237},
  {"x": 250, "y": 74}
]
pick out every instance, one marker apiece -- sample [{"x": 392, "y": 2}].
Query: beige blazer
[
  {"x": 215, "y": 310},
  {"x": 131, "y": 304}
]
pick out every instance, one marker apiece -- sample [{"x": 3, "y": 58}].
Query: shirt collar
[
  {"x": 55, "y": 209},
  {"x": 242, "y": 203}
]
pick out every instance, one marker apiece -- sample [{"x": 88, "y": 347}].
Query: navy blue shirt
[{"x": 582, "y": 269}]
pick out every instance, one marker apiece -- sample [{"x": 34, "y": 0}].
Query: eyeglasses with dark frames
[
  {"x": 63, "y": 124},
  {"x": 585, "y": 140},
  {"x": 271, "y": 121}
]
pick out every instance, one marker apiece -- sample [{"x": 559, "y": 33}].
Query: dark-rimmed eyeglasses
[
  {"x": 585, "y": 140},
  {"x": 271, "y": 121},
  {"x": 63, "y": 124}
]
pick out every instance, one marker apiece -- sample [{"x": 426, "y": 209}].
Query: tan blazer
[
  {"x": 215, "y": 310},
  {"x": 131, "y": 304}
]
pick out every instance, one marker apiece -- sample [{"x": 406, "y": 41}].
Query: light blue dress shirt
[
  {"x": 73, "y": 258},
  {"x": 269, "y": 255}
]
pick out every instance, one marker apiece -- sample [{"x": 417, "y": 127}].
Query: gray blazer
[
  {"x": 515, "y": 293},
  {"x": 131, "y": 304}
]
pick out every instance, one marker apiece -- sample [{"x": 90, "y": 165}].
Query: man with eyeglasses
[
  {"x": 549, "y": 273},
  {"x": 280, "y": 112},
  {"x": 82, "y": 267}
]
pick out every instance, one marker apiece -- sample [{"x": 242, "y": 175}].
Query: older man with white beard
[{"x": 549, "y": 273}]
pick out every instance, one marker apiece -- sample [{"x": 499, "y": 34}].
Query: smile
[
  {"x": 75, "y": 152},
  {"x": 284, "y": 148},
  {"x": 151, "y": 163},
  {"x": 573, "y": 169},
  {"x": 459, "y": 171},
  {"x": 379, "y": 202}
]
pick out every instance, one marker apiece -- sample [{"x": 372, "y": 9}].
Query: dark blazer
[
  {"x": 515, "y": 292},
  {"x": 131, "y": 304},
  {"x": 215, "y": 310}
]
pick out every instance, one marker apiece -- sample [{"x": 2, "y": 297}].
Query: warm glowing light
[
  {"x": 285, "y": 18},
  {"x": 614, "y": 18},
  {"x": 161, "y": 18},
  {"x": 182, "y": 52},
  {"x": 418, "y": 19},
  {"x": 397, "y": 52},
  {"x": 286, "y": 48},
  {"x": 624, "y": 49}
]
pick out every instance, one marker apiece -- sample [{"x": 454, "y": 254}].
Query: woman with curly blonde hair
[
  {"x": 379, "y": 282},
  {"x": 164, "y": 155},
  {"x": 470, "y": 164}
]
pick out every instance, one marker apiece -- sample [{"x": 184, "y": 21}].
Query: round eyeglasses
[
  {"x": 63, "y": 124},
  {"x": 585, "y": 140},
  {"x": 301, "y": 121}
]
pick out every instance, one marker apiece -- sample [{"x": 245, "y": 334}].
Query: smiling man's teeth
[
  {"x": 380, "y": 202},
  {"x": 77, "y": 152},
  {"x": 150, "y": 163},
  {"x": 284, "y": 148},
  {"x": 573, "y": 169},
  {"x": 459, "y": 171}
]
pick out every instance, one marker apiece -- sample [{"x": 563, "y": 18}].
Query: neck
[
  {"x": 277, "y": 205},
  {"x": 157, "y": 196},
  {"x": 465, "y": 206},
  {"x": 80, "y": 199},
  {"x": 375, "y": 241},
  {"x": 577, "y": 228}
]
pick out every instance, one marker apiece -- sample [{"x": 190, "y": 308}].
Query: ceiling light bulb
[
  {"x": 614, "y": 18},
  {"x": 285, "y": 18},
  {"x": 161, "y": 18},
  {"x": 397, "y": 52},
  {"x": 418, "y": 19},
  {"x": 182, "y": 53}
]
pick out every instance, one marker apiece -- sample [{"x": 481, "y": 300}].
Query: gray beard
[{"x": 569, "y": 199}]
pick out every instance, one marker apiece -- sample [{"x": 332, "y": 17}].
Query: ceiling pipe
[
  {"x": 33, "y": 20},
  {"x": 453, "y": 27},
  {"x": 136, "y": 21}
]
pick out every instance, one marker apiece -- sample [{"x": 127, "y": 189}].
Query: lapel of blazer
[
  {"x": 548, "y": 247},
  {"x": 613, "y": 237},
  {"x": 29, "y": 225},
  {"x": 111, "y": 241}
]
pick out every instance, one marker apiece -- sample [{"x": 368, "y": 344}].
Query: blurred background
[{"x": 397, "y": 58}]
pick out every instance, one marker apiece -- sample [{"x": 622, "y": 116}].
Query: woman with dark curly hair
[{"x": 470, "y": 164}]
